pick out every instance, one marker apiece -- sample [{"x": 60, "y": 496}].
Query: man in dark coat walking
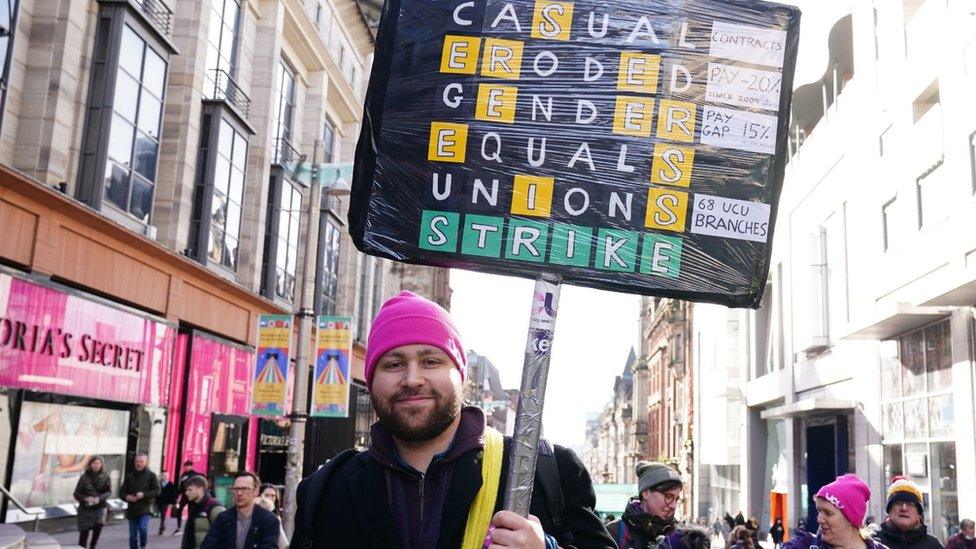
[
  {"x": 246, "y": 526},
  {"x": 168, "y": 493},
  {"x": 904, "y": 527},
  {"x": 181, "y": 500},
  {"x": 139, "y": 490},
  {"x": 415, "y": 486}
]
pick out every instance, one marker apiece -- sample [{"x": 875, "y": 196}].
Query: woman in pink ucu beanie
[
  {"x": 841, "y": 506},
  {"x": 409, "y": 319}
]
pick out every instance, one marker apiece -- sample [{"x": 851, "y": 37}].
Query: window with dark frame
[
  {"x": 222, "y": 43},
  {"x": 8, "y": 25},
  {"x": 286, "y": 257},
  {"x": 230, "y": 165},
  {"x": 930, "y": 189},
  {"x": 328, "y": 141},
  {"x": 327, "y": 272},
  {"x": 120, "y": 151},
  {"x": 283, "y": 113}
]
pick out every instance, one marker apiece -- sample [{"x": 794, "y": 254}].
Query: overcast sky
[{"x": 595, "y": 330}]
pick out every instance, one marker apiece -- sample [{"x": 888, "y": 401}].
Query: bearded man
[{"x": 420, "y": 482}]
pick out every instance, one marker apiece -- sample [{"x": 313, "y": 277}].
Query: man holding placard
[{"x": 432, "y": 476}]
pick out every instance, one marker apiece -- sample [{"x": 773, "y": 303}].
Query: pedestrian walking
[
  {"x": 181, "y": 502},
  {"x": 965, "y": 538},
  {"x": 140, "y": 489},
  {"x": 204, "y": 510},
  {"x": 753, "y": 526},
  {"x": 246, "y": 525},
  {"x": 649, "y": 517},
  {"x": 841, "y": 506},
  {"x": 904, "y": 527},
  {"x": 434, "y": 473},
  {"x": 777, "y": 532},
  {"x": 92, "y": 493},
  {"x": 268, "y": 503},
  {"x": 168, "y": 494}
]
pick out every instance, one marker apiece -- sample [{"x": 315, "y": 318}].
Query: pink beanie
[
  {"x": 409, "y": 319},
  {"x": 850, "y": 495}
]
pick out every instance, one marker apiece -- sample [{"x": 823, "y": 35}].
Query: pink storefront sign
[
  {"x": 59, "y": 342},
  {"x": 220, "y": 377}
]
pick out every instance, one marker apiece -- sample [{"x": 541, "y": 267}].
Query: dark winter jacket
[
  {"x": 806, "y": 540},
  {"x": 959, "y": 541},
  {"x": 202, "y": 515},
  {"x": 144, "y": 481},
  {"x": 375, "y": 500},
  {"x": 94, "y": 485},
  {"x": 777, "y": 532},
  {"x": 635, "y": 529},
  {"x": 263, "y": 533},
  {"x": 167, "y": 494},
  {"x": 916, "y": 538}
]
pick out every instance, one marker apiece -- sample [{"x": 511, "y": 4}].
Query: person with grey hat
[{"x": 649, "y": 516}]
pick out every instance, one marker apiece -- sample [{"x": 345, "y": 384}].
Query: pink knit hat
[
  {"x": 850, "y": 495},
  {"x": 409, "y": 319}
]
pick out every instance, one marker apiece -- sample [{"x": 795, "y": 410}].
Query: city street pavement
[{"x": 115, "y": 535}]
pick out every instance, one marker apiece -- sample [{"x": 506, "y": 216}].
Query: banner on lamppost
[
  {"x": 330, "y": 392},
  {"x": 271, "y": 366}
]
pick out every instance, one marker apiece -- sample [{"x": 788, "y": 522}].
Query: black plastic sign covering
[{"x": 629, "y": 145}]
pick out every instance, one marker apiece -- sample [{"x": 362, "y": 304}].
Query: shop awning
[
  {"x": 808, "y": 407},
  {"x": 611, "y": 499}
]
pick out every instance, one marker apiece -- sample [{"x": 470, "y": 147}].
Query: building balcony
[
  {"x": 221, "y": 86},
  {"x": 285, "y": 152},
  {"x": 157, "y": 13}
]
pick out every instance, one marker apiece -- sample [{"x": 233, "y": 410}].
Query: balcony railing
[
  {"x": 285, "y": 153},
  {"x": 225, "y": 88},
  {"x": 158, "y": 13}
]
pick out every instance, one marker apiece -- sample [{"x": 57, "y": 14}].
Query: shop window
[
  {"x": 327, "y": 271},
  {"x": 219, "y": 192},
  {"x": 228, "y": 443},
  {"x": 283, "y": 114},
  {"x": 945, "y": 496},
  {"x": 8, "y": 25},
  {"x": 120, "y": 153},
  {"x": 281, "y": 243}
]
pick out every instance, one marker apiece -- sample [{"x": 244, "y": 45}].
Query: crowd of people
[
  {"x": 254, "y": 521},
  {"x": 434, "y": 476}
]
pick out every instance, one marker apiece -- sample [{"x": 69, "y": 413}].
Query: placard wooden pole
[{"x": 528, "y": 418}]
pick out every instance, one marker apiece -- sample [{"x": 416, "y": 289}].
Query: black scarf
[{"x": 644, "y": 527}]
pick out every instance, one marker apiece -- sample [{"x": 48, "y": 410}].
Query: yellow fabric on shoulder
[{"x": 483, "y": 506}]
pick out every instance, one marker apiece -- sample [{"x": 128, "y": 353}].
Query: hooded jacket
[
  {"x": 916, "y": 538},
  {"x": 376, "y": 500}
]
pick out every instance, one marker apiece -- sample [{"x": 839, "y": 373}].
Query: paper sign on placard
[
  {"x": 748, "y": 43},
  {"x": 730, "y": 218},
  {"x": 733, "y": 129},
  {"x": 743, "y": 86}
]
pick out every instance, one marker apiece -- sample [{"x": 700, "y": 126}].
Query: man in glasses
[
  {"x": 649, "y": 517},
  {"x": 246, "y": 525}
]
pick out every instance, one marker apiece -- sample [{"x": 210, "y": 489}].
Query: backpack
[{"x": 547, "y": 475}]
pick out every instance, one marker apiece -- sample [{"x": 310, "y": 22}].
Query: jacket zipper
[{"x": 423, "y": 478}]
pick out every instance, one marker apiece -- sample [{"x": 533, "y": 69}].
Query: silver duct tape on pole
[{"x": 528, "y": 418}]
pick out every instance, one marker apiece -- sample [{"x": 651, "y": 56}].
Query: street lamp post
[{"x": 299, "y": 416}]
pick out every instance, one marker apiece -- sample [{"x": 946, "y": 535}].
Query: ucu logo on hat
[{"x": 834, "y": 500}]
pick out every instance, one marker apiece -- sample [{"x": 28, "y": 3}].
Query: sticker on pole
[{"x": 585, "y": 139}]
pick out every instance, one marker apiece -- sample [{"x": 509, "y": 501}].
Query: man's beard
[{"x": 418, "y": 425}]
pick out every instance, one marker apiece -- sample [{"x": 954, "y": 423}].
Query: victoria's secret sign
[{"x": 54, "y": 341}]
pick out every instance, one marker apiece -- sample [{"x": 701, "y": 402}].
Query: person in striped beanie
[{"x": 904, "y": 527}]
